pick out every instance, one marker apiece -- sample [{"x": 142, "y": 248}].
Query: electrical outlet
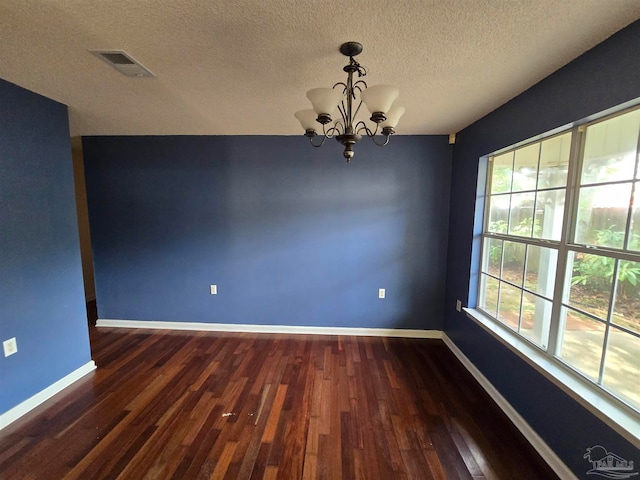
[
  {"x": 10, "y": 346},
  {"x": 213, "y": 289},
  {"x": 458, "y": 305},
  {"x": 381, "y": 293}
]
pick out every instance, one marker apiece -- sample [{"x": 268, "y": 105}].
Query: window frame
[{"x": 622, "y": 416}]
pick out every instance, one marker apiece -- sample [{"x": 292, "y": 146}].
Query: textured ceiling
[{"x": 244, "y": 67}]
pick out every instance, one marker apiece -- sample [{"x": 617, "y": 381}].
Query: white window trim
[
  {"x": 620, "y": 417},
  {"x": 614, "y": 412}
]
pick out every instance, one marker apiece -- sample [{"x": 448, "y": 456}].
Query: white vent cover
[{"x": 123, "y": 62}]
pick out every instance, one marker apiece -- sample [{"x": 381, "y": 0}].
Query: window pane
[
  {"x": 591, "y": 282},
  {"x": 602, "y": 215},
  {"x": 501, "y": 173},
  {"x": 610, "y": 149},
  {"x": 582, "y": 342},
  {"x": 498, "y": 213},
  {"x": 509, "y": 308},
  {"x": 489, "y": 295},
  {"x": 536, "y": 318},
  {"x": 622, "y": 366},
  {"x": 634, "y": 237},
  {"x": 521, "y": 214},
  {"x": 525, "y": 171},
  {"x": 626, "y": 310},
  {"x": 492, "y": 256},
  {"x": 554, "y": 161},
  {"x": 541, "y": 270},
  {"x": 549, "y": 214},
  {"x": 513, "y": 262}
]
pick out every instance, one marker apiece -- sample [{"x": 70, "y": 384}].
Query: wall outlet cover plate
[{"x": 10, "y": 346}]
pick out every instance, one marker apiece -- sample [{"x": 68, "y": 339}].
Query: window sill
[{"x": 615, "y": 414}]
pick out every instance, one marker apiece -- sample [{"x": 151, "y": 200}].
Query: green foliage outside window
[{"x": 596, "y": 270}]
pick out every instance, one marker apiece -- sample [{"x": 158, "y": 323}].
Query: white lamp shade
[
  {"x": 379, "y": 98},
  {"x": 307, "y": 119},
  {"x": 324, "y": 100},
  {"x": 393, "y": 117}
]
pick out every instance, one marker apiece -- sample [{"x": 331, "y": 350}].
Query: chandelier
[{"x": 327, "y": 102}]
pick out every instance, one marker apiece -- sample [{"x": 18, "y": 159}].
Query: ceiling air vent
[{"x": 123, "y": 62}]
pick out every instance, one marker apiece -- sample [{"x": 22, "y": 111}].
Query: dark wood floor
[{"x": 209, "y": 405}]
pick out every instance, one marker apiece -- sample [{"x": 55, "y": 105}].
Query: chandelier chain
[{"x": 362, "y": 71}]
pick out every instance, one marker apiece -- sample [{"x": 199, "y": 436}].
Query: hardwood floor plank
[
  {"x": 274, "y": 414},
  {"x": 223, "y": 461},
  {"x": 395, "y": 455},
  {"x": 195, "y": 455},
  {"x": 271, "y": 473},
  {"x": 310, "y": 471},
  {"x": 295, "y": 440},
  {"x": 335, "y": 445},
  {"x": 260, "y": 464},
  {"x": 169, "y": 427},
  {"x": 247, "y": 451},
  {"x": 435, "y": 467},
  {"x": 191, "y": 405}
]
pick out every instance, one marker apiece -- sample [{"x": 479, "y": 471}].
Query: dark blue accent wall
[
  {"x": 41, "y": 291},
  {"x": 603, "y": 77},
  {"x": 291, "y": 235}
]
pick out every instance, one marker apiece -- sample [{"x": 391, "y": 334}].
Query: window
[{"x": 561, "y": 249}]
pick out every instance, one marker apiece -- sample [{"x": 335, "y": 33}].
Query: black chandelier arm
[
  {"x": 326, "y": 133},
  {"x": 331, "y": 132},
  {"x": 386, "y": 141},
  {"x": 360, "y": 126},
  {"x": 358, "y": 86},
  {"x": 338, "y": 128},
  {"x": 344, "y": 85},
  {"x": 319, "y": 144},
  {"x": 343, "y": 111},
  {"x": 357, "y": 109},
  {"x": 341, "y": 106}
]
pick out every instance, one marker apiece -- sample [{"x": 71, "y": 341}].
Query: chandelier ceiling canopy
[{"x": 335, "y": 109}]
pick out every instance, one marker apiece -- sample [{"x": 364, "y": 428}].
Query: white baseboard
[
  {"x": 29, "y": 404},
  {"x": 549, "y": 456},
  {"x": 246, "y": 328}
]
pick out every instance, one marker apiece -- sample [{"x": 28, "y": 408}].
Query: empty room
[{"x": 333, "y": 240}]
